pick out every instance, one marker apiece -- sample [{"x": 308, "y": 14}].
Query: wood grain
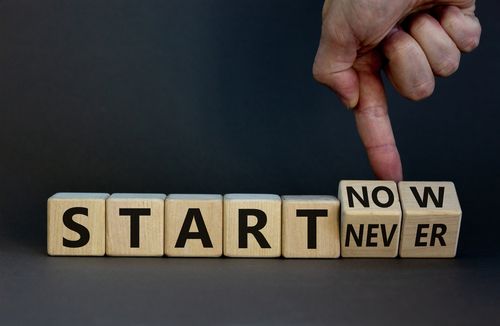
[
  {"x": 421, "y": 218},
  {"x": 93, "y": 221},
  {"x": 379, "y": 216},
  {"x": 177, "y": 209},
  {"x": 298, "y": 240},
  {"x": 118, "y": 225},
  {"x": 234, "y": 206}
]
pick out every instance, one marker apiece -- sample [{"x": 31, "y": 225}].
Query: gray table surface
[{"x": 37, "y": 289}]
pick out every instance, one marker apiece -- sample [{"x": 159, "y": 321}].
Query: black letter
[
  {"x": 311, "y": 215},
  {"x": 370, "y": 235},
  {"x": 421, "y": 235},
  {"x": 437, "y": 235},
  {"x": 202, "y": 234},
  {"x": 388, "y": 240},
  {"x": 351, "y": 192},
  {"x": 390, "y": 200},
  {"x": 358, "y": 240},
  {"x": 78, "y": 228},
  {"x": 422, "y": 202},
  {"x": 244, "y": 229},
  {"x": 135, "y": 214}
]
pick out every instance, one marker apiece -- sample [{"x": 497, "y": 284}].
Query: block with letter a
[{"x": 193, "y": 225}]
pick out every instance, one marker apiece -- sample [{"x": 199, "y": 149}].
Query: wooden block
[
  {"x": 310, "y": 227},
  {"x": 193, "y": 225},
  {"x": 76, "y": 224},
  {"x": 134, "y": 224},
  {"x": 431, "y": 219},
  {"x": 370, "y": 218},
  {"x": 252, "y": 225}
]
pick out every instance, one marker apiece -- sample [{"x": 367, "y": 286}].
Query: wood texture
[
  {"x": 241, "y": 207},
  {"x": 196, "y": 214},
  {"x": 306, "y": 236},
  {"x": 120, "y": 238},
  {"x": 93, "y": 205},
  {"x": 431, "y": 222},
  {"x": 370, "y": 227}
]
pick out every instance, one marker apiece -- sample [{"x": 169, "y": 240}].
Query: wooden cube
[
  {"x": 431, "y": 219},
  {"x": 310, "y": 227},
  {"x": 134, "y": 224},
  {"x": 252, "y": 225},
  {"x": 193, "y": 225},
  {"x": 370, "y": 218},
  {"x": 76, "y": 224}
]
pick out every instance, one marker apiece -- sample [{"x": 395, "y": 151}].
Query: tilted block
[
  {"x": 310, "y": 227},
  {"x": 193, "y": 225},
  {"x": 252, "y": 225},
  {"x": 370, "y": 218},
  {"x": 431, "y": 219},
  {"x": 75, "y": 224},
  {"x": 134, "y": 224}
]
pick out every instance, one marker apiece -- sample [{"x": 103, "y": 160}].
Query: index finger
[{"x": 374, "y": 125}]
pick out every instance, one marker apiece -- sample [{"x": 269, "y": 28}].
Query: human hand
[{"x": 359, "y": 35}]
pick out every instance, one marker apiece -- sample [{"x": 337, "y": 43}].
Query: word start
[{"x": 369, "y": 219}]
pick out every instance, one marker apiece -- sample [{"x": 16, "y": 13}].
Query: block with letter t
[
  {"x": 134, "y": 224},
  {"x": 370, "y": 218},
  {"x": 310, "y": 227},
  {"x": 431, "y": 219}
]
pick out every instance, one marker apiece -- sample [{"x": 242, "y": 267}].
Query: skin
[{"x": 412, "y": 41}]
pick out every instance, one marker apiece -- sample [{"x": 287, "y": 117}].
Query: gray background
[{"x": 217, "y": 97}]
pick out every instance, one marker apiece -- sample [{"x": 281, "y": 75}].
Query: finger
[
  {"x": 334, "y": 74},
  {"x": 440, "y": 50},
  {"x": 333, "y": 63},
  {"x": 373, "y": 123},
  {"x": 462, "y": 26},
  {"x": 464, "y": 4},
  {"x": 407, "y": 67}
]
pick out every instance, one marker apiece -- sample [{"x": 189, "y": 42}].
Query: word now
[{"x": 369, "y": 219}]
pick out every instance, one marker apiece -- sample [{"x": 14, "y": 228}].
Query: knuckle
[
  {"x": 419, "y": 23},
  {"x": 320, "y": 74},
  {"x": 451, "y": 15},
  {"x": 470, "y": 43},
  {"x": 373, "y": 112},
  {"x": 421, "y": 91},
  {"x": 383, "y": 148},
  {"x": 447, "y": 66},
  {"x": 451, "y": 23},
  {"x": 401, "y": 47}
]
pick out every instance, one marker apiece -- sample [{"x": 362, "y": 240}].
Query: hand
[{"x": 358, "y": 34}]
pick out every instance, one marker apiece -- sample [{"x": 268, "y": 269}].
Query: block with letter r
[{"x": 431, "y": 219}]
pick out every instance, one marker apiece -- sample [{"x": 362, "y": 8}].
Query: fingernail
[{"x": 349, "y": 104}]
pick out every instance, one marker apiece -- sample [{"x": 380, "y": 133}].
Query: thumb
[
  {"x": 333, "y": 65},
  {"x": 373, "y": 123}
]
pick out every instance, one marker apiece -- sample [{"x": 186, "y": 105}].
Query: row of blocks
[{"x": 377, "y": 219}]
